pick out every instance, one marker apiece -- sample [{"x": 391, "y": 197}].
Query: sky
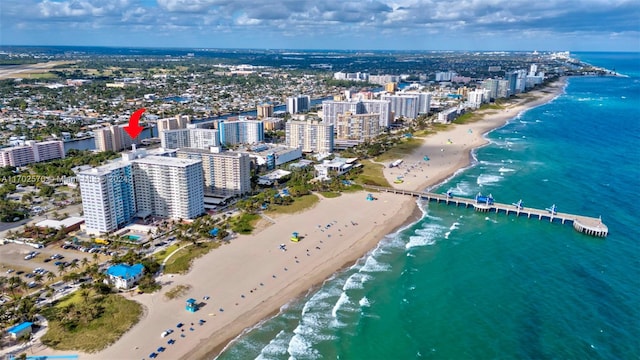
[{"x": 544, "y": 25}]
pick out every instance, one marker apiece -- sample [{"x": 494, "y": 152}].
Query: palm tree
[
  {"x": 85, "y": 262},
  {"x": 95, "y": 258},
  {"x": 51, "y": 276},
  {"x": 84, "y": 294},
  {"x": 14, "y": 282},
  {"x": 61, "y": 269}
]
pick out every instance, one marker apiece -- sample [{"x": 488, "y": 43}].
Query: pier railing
[{"x": 584, "y": 224}]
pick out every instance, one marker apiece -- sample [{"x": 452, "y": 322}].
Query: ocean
[{"x": 464, "y": 285}]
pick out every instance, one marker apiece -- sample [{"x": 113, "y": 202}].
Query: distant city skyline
[{"x": 554, "y": 25}]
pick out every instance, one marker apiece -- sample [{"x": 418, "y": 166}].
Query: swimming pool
[{"x": 133, "y": 237}]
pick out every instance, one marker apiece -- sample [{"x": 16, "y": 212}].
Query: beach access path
[{"x": 251, "y": 278}]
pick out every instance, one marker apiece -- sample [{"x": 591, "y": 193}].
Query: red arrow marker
[{"x": 133, "y": 129}]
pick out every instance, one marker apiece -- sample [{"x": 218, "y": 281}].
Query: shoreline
[
  {"x": 557, "y": 87},
  {"x": 224, "y": 277}
]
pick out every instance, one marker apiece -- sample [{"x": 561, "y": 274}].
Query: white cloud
[{"x": 313, "y": 18}]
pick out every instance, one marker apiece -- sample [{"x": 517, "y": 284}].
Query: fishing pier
[{"x": 583, "y": 224}]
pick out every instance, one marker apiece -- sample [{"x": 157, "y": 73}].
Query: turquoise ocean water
[{"x": 463, "y": 285}]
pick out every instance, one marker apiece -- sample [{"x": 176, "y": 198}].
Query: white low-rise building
[{"x": 123, "y": 276}]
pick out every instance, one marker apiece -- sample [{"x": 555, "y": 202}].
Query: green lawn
[
  {"x": 244, "y": 223},
  {"x": 407, "y": 146},
  {"x": 299, "y": 204},
  {"x": 161, "y": 255},
  {"x": 372, "y": 174},
  {"x": 330, "y": 194},
  {"x": 73, "y": 298},
  {"x": 180, "y": 262},
  {"x": 118, "y": 316}
]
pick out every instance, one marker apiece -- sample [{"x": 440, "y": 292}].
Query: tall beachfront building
[
  {"x": 241, "y": 132},
  {"x": 492, "y": 86},
  {"x": 168, "y": 187},
  {"x": 108, "y": 199},
  {"x": 331, "y": 110},
  {"x": 264, "y": 111},
  {"x": 226, "y": 174},
  {"x": 174, "y": 123},
  {"x": 113, "y": 138},
  {"x": 359, "y": 127},
  {"x": 310, "y": 136},
  {"x": 190, "y": 138},
  {"x": 403, "y": 105},
  {"x": 298, "y": 104},
  {"x": 31, "y": 152}
]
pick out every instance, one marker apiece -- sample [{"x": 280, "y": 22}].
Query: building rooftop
[
  {"x": 205, "y": 151},
  {"x": 275, "y": 174},
  {"x": 61, "y": 224},
  {"x": 105, "y": 169},
  {"x": 19, "y": 327},
  {"x": 266, "y": 149},
  {"x": 125, "y": 271},
  {"x": 166, "y": 161}
]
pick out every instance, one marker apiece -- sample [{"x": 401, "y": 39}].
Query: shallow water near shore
[{"x": 459, "y": 284}]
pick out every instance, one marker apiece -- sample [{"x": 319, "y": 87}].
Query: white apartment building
[
  {"x": 477, "y": 97},
  {"x": 174, "y": 123},
  {"x": 17, "y": 156},
  {"x": 108, "y": 200},
  {"x": 384, "y": 79},
  {"x": 113, "y": 138},
  {"x": 190, "y": 138},
  {"x": 174, "y": 139},
  {"x": 331, "y": 110},
  {"x": 359, "y": 127},
  {"x": 31, "y": 152},
  {"x": 424, "y": 100},
  {"x": 298, "y": 104},
  {"x": 225, "y": 174},
  {"x": 445, "y": 75},
  {"x": 168, "y": 187},
  {"x": 310, "y": 136},
  {"x": 241, "y": 132},
  {"x": 403, "y": 105}
]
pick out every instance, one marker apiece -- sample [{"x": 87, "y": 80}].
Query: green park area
[
  {"x": 180, "y": 262},
  {"x": 89, "y": 321}
]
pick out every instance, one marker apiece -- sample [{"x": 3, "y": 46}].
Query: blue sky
[{"x": 574, "y": 25}]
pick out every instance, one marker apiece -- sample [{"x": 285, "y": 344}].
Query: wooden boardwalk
[{"x": 587, "y": 225}]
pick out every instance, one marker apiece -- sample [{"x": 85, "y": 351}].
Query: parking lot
[{"x": 12, "y": 257}]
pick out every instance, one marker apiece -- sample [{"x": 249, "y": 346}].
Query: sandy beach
[{"x": 251, "y": 278}]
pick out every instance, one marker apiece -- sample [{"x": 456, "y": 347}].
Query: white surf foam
[
  {"x": 356, "y": 281},
  {"x": 342, "y": 300},
  {"x": 300, "y": 348},
  {"x": 487, "y": 179},
  {"x": 373, "y": 265},
  {"x": 276, "y": 348},
  {"x": 364, "y": 302},
  {"x": 425, "y": 236}
]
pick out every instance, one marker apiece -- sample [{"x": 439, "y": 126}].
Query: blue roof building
[
  {"x": 20, "y": 329},
  {"x": 124, "y": 276}
]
